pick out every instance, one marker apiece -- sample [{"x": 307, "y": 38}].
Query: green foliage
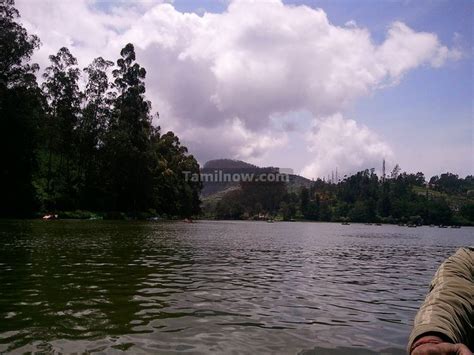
[
  {"x": 265, "y": 195},
  {"x": 467, "y": 211},
  {"x": 78, "y": 214},
  {"x": 452, "y": 184},
  {"x": 362, "y": 197},
  {"x": 21, "y": 109},
  {"x": 60, "y": 132},
  {"x": 16, "y": 48},
  {"x": 94, "y": 150},
  {"x": 230, "y": 206}
]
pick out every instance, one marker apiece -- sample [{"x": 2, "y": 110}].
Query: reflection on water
[{"x": 248, "y": 287}]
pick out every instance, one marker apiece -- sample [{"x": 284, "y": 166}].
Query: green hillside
[{"x": 363, "y": 197}]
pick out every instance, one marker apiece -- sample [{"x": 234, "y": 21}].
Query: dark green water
[{"x": 222, "y": 287}]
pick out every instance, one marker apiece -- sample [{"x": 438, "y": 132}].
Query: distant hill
[
  {"x": 228, "y": 164},
  {"x": 232, "y": 166}
]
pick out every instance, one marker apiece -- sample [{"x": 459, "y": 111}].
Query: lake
[{"x": 215, "y": 286}]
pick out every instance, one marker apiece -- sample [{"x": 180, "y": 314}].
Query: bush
[{"x": 78, "y": 214}]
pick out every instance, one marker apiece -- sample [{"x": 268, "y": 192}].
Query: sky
[{"x": 313, "y": 86}]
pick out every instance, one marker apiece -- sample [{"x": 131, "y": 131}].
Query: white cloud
[
  {"x": 218, "y": 79},
  {"x": 405, "y": 49},
  {"x": 232, "y": 138},
  {"x": 341, "y": 143}
]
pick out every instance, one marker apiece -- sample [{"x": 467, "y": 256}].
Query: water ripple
[{"x": 214, "y": 287}]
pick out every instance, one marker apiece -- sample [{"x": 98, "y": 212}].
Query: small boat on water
[{"x": 50, "y": 217}]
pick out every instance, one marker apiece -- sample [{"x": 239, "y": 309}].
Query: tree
[
  {"x": 396, "y": 170},
  {"x": 98, "y": 101},
  {"x": 64, "y": 98},
  {"x": 467, "y": 211},
  {"x": 313, "y": 209},
  {"x": 144, "y": 168},
  {"x": 449, "y": 183},
  {"x": 230, "y": 206},
  {"x": 304, "y": 198},
  {"x": 16, "y": 49},
  {"x": 92, "y": 128},
  {"x": 268, "y": 193},
  {"x": 21, "y": 109},
  {"x": 64, "y": 149},
  {"x": 171, "y": 162},
  {"x": 287, "y": 210},
  {"x": 128, "y": 138},
  {"x": 437, "y": 212},
  {"x": 360, "y": 212}
]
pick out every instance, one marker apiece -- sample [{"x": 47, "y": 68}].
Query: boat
[{"x": 49, "y": 217}]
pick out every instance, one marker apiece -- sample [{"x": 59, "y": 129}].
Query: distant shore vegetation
[{"x": 399, "y": 198}]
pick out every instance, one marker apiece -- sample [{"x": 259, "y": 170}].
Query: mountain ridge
[{"x": 239, "y": 166}]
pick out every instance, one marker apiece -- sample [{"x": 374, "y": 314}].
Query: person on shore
[{"x": 444, "y": 322}]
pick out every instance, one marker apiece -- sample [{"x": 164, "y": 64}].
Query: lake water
[{"x": 215, "y": 287}]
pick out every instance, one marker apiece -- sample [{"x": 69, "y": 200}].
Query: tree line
[
  {"x": 362, "y": 197},
  {"x": 65, "y": 147}
]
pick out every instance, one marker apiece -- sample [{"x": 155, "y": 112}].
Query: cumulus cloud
[
  {"x": 239, "y": 142},
  {"x": 336, "y": 142},
  {"x": 218, "y": 79},
  {"x": 405, "y": 49}
]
